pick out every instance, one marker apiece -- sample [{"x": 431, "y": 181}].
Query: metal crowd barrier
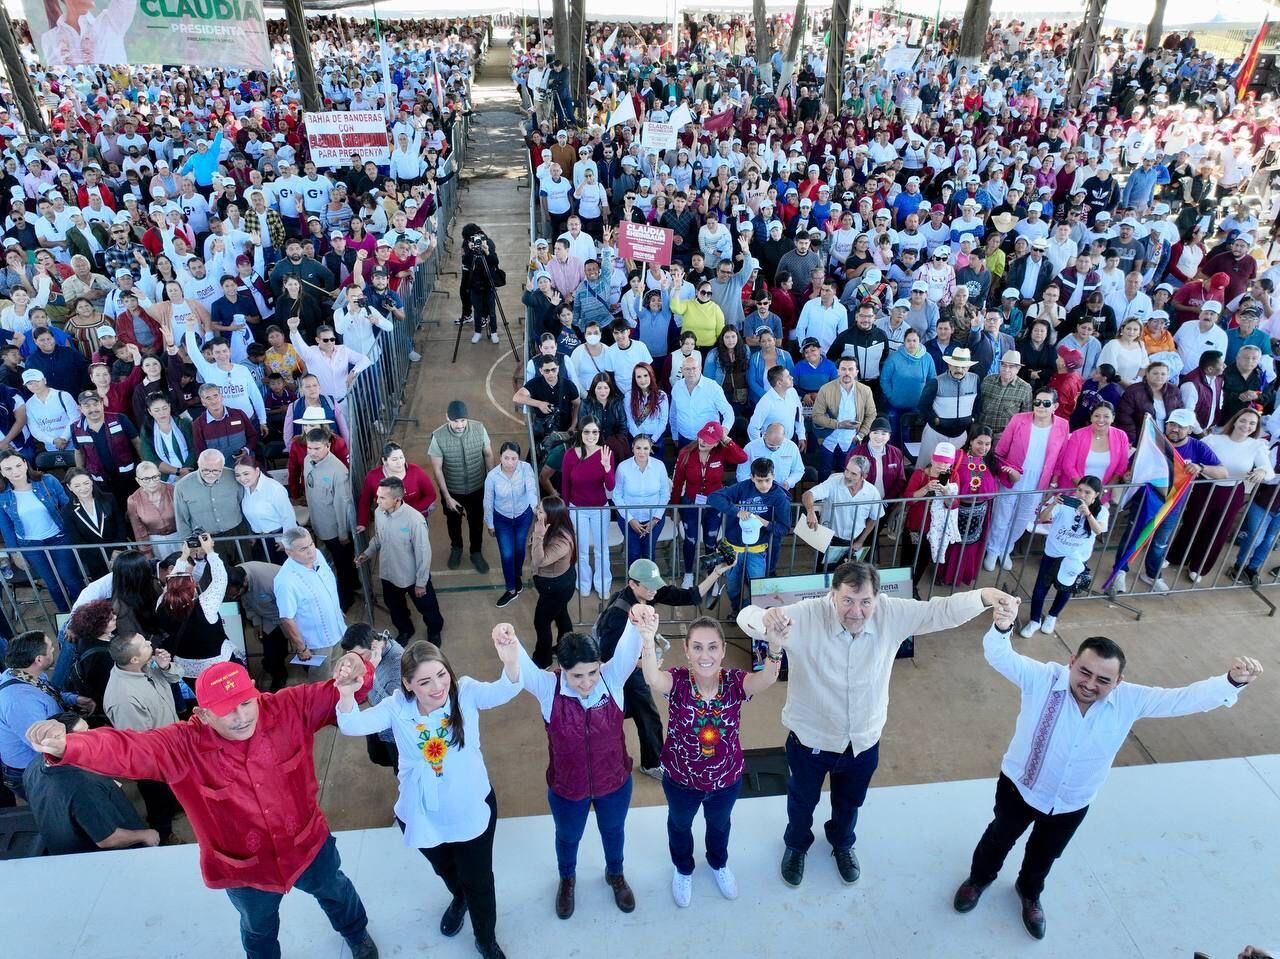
[{"x": 892, "y": 545}]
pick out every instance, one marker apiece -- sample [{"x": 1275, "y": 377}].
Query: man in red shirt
[{"x": 242, "y": 769}]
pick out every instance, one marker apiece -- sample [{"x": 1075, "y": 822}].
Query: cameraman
[
  {"x": 645, "y": 585},
  {"x": 481, "y": 277}
]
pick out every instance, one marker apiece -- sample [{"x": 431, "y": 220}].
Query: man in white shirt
[
  {"x": 773, "y": 445},
  {"x": 836, "y": 716},
  {"x": 823, "y": 318},
  {"x": 1193, "y": 339},
  {"x": 307, "y": 597},
  {"x": 623, "y": 355},
  {"x": 853, "y": 508},
  {"x": 780, "y": 404},
  {"x": 1131, "y": 303},
  {"x": 696, "y": 401},
  {"x": 235, "y": 381},
  {"x": 1072, "y": 721}
]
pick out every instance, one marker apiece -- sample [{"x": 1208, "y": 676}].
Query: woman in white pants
[
  {"x": 1027, "y": 455},
  {"x": 586, "y": 478}
]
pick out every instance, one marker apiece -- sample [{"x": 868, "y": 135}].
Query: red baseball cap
[
  {"x": 224, "y": 686},
  {"x": 1219, "y": 281},
  {"x": 713, "y": 432}
]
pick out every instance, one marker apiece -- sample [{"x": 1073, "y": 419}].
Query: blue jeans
[
  {"x": 850, "y": 777},
  {"x": 512, "y": 535},
  {"x": 641, "y": 546},
  {"x": 827, "y": 460},
  {"x": 1257, "y": 536},
  {"x": 324, "y": 879},
  {"x": 48, "y": 559},
  {"x": 682, "y": 806},
  {"x": 710, "y": 520},
  {"x": 738, "y": 579},
  {"x": 570, "y": 817}
]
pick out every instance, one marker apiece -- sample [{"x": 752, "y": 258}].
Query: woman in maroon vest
[{"x": 582, "y": 708}]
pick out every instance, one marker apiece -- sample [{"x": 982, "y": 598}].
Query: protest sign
[
  {"x": 645, "y": 243},
  {"x": 900, "y": 59},
  {"x": 658, "y": 136},
  {"x": 337, "y": 134}
]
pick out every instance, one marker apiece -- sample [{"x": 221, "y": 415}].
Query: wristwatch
[{"x": 778, "y": 657}]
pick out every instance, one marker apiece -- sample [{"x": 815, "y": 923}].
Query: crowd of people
[
  {"x": 956, "y": 288},
  {"x": 192, "y": 322},
  {"x": 941, "y": 314}
]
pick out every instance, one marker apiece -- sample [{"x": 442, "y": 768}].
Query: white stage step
[{"x": 1172, "y": 858}]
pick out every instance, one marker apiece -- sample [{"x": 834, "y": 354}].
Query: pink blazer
[
  {"x": 1012, "y": 447},
  {"x": 1076, "y": 450}
]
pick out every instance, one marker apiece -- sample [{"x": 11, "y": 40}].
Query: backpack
[{"x": 95, "y": 659}]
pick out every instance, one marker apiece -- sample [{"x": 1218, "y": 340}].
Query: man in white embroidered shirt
[
  {"x": 840, "y": 652},
  {"x": 1072, "y": 722}
]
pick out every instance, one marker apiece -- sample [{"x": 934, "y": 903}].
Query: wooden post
[
  {"x": 32, "y": 116},
  {"x": 302, "y": 63}
]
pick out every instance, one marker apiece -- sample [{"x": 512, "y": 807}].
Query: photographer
[
  {"x": 481, "y": 277},
  {"x": 645, "y": 585}
]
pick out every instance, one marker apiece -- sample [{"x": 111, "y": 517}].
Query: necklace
[{"x": 976, "y": 469}]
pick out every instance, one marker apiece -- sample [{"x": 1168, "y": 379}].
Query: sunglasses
[
  {"x": 704, "y": 293},
  {"x": 327, "y": 339},
  {"x": 1044, "y": 404}
]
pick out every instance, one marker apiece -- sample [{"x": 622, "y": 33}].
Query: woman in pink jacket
[
  {"x": 1027, "y": 458},
  {"x": 1099, "y": 449}
]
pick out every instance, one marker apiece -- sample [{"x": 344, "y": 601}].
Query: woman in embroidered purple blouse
[{"x": 702, "y": 756}]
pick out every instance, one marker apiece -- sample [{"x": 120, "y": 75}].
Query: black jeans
[
  {"x": 1046, "y": 577},
  {"x": 344, "y": 570},
  {"x": 275, "y": 649},
  {"x": 397, "y": 600},
  {"x": 638, "y": 702},
  {"x": 467, "y": 871},
  {"x": 850, "y": 776},
  {"x": 1050, "y": 834},
  {"x": 473, "y": 507},
  {"x": 162, "y": 805},
  {"x": 553, "y": 607}
]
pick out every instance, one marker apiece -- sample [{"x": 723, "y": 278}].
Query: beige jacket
[{"x": 826, "y": 407}]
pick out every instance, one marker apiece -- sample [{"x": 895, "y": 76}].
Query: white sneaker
[
  {"x": 1194, "y": 577},
  {"x": 989, "y": 562},
  {"x": 1006, "y": 563},
  {"x": 1029, "y": 630},
  {"x": 1120, "y": 584},
  {"x": 728, "y": 885},
  {"x": 493, "y": 337},
  {"x": 476, "y": 337},
  {"x": 681, "y": 889},
  {"x": 1158, "y": 585},
  {"x": 687, "y": 582},
  {"x": 1165, "y": 564},
  {"x": 415, "y": 356},
  {"x": 1049, "y": 625}
]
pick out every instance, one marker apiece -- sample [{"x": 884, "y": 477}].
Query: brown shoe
[
  {"x": 564, "y": 899},
  {"x": 622, "y": 894}
]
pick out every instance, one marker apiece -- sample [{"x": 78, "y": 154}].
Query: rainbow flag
[
  {"x": 1166, "y": 480},
  {"x": 1251, "y": 60}
]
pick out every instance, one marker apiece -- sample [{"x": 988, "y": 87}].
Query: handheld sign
[{"x": 642, "y": 242}]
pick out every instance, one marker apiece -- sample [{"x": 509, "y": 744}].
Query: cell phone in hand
[{"x": 1071, "y": 502}]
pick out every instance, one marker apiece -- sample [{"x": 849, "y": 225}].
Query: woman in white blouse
[
  {"x": 266, "y": 507},
  {"x": 510, "y": 496},
  {"x": 446, "y": 807},
  {"x": 1126, "y": 352},
  {"x": 648, "y": 406},
  {"x": 642, "y": 483},
  {"x": 1207, "y": 523}
]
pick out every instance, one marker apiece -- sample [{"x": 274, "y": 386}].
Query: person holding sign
[
  {"x": 836, "y": 716},
  {"x": 1072, "y": 721}
]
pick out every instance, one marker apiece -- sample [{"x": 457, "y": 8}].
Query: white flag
[
  {"x": 680, "y": 117},
  {"x": 611, "y": 41},
  {"x": 626, "y": 112}
]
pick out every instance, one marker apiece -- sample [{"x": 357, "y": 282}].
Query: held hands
[
  {"x": 777, "y": 626},
  {"x": 506, "y": 644},
  {"x": 348, "y": 673},
  {"x": 1004, "y": 613},
  {"x": 48, "y": 737},
  {"x": 1244, "y": 670},
  {"x": 645, "y": 620}
]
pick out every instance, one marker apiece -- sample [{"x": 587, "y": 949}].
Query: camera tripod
[{"x": 502, "y": 314}]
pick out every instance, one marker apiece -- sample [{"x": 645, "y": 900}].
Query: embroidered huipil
[
  {"x": 702, "y": 750},
  {"x": 1059, "y": 757},
  {"x": 442, "y": 786}
]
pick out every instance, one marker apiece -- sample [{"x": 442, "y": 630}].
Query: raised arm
[
  {"x": 659, "y": 679},
  {"x": 1207, "y": 694}
]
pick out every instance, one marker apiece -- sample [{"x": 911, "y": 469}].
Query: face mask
[{"x": 593, "y": 339}]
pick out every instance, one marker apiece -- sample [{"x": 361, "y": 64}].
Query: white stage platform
[{"x": 1172, "y": 858}]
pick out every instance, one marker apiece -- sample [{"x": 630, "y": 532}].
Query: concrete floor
[{"x": 1171, "y": 858}]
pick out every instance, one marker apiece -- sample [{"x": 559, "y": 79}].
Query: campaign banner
[
  {"x": 644, "y": 243},
  {"x": 207, "y": 33},
  {"x": 658, "y": 136},
  {"x": 337, "y": 134}
]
